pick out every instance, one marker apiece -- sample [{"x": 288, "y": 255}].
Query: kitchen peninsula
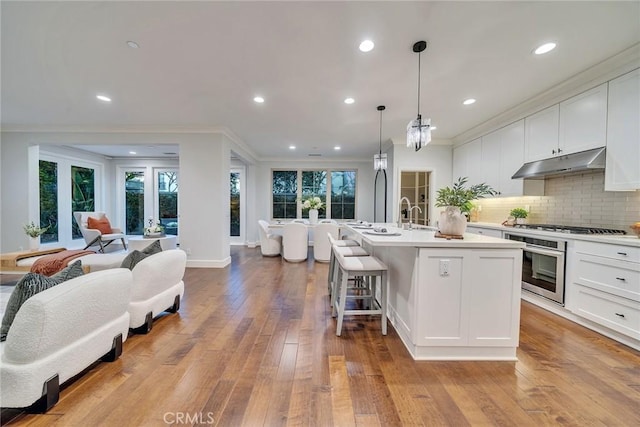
[{"x": 451, "y": 299}]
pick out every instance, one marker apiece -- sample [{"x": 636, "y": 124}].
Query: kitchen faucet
[
  {"x": 411, "y": 215},
  {"x": 400, "y": 211}
]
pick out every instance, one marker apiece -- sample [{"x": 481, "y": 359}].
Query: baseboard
[{"x": 196, "y": 263}]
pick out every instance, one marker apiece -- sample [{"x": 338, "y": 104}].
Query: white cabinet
[
  {"x": 605, "y": 286},
  {"x": 574, "y": 125},
  {"x": 541, "y": 134},
  {"x": 458, "y": 309},
  {"x": 583, "y": 121},
  {"x": 502, "y": 156},
  {"x": 484, "y": 231},
  {"x": 466, "y": 161},
  {"x": 622, "y": 172}
]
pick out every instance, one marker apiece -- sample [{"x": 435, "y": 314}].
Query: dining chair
[
  {"x": 321, "y": 244},
  {"x": 295, "y": 242},
  {"x": 270, "y": 244}
]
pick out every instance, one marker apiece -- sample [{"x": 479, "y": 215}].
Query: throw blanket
[{"x": 51, "y": 264}]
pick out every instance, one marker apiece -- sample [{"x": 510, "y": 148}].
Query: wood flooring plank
[{"x": 343, "y": 414}]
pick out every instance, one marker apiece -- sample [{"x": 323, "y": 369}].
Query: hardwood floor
[{"x": 254, "y": 345}]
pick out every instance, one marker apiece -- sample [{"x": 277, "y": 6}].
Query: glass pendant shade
[
  {"x": 380, "y": 161},
  {"x": 418, "y": 133}
]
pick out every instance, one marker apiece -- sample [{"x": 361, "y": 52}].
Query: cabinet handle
[
  {"x": 620, "y": 315},
  {"x": 622, "y": 253},
  {"x": 559, "y": 150},
  {"x": 553, "y": 151},
  {"x": 622, "y": 279}
]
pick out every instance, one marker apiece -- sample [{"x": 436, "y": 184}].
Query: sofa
[
  {"x": 157, "y": 287},
  {"x": 61, "y": 331}
]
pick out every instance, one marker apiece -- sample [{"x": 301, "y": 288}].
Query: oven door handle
[{"x": 547, "y": 252}]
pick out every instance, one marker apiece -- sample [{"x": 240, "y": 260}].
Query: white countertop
[
  {"x": 626, "y": 240},
  {"x": 425, "y": 238}
]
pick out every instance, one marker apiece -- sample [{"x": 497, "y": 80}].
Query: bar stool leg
[
  {"x": 332, "y": 267},
  {"x": 341, "y": 302},
  {"x": 383, "y": 303}
]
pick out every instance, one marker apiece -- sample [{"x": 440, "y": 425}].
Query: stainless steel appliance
[
  {"x": 542, "y": 265},
  {"x": 543, "y": 258}
]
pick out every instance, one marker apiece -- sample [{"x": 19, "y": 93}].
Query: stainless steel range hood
[{"x": 570, "y": 163}]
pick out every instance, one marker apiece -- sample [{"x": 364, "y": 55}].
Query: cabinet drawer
[
  {"x": 619, "y": 314},
  {"x": 620, "y": 252},
  {"x": 485, "y": 231},
  {"x": 621, "y": 278}
]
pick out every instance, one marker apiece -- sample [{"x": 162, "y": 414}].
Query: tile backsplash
[{"x": 578, "y": 200}]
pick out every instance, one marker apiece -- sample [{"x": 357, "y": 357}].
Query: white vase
[
  {"x": 34, "y": 243},
  {"x": 521, "y": 220},
  {"x": 313, "y": 216},
  {"x": 452, "y": 222}
]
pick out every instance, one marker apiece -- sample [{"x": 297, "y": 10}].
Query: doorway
[
  {"x": 237, "y": 205},
  {"x": 414, "y": 185}
]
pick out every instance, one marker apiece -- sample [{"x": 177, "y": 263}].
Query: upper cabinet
[
  {"x": 574, "y": 125},
  {"x": 502, "y": 156},
  {"x": 622, "y": 170},
  {"x": 541, "y": 134},
  {"x": 583, "y": 121},
  {"x": 466, "y": 161}
]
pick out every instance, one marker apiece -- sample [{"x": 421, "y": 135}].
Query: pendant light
[
  {"x": 380, "y": 160},
  {"x": 419, "y": 130},
  {"x": 380, "y": 165}
]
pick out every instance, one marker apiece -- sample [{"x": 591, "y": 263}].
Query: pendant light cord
[
  {"x": 380, "y": 133},
  {"x": 419, "y": 84}
]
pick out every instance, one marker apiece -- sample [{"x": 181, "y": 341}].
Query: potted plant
[
  {"x": 34, "y": 232},
  {"x": 520, "y": 214},
  {"x": 457, "y": 203}
]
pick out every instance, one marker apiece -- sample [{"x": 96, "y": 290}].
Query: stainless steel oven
[{"x": 543, "y": 262}]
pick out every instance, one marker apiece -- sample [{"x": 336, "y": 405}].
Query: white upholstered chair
[
  {"x": 321, "y": 244},
  {"x": 270, "y": 244},
  {"x": 93, "y": 237},
  {"x": 295, "y": 242}
]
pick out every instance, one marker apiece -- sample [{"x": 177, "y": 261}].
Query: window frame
[{"x": 327, "y": 208}]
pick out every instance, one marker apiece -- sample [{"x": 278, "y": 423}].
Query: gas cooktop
[{"x": 570, "y": 229}]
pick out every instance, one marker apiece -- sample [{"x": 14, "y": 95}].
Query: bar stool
[
  {"x": 371, "y": 268},
  {"x": 332, "y": 260},
  {"x": 347, "y": 251}
]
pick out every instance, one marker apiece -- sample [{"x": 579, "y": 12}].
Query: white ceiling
[{"x": 200, "y": 64}]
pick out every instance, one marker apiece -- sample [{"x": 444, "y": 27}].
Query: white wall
[{"x": 434, "y": 158}]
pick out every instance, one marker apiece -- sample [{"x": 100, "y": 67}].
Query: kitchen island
[{"x": 451, "y": 299}]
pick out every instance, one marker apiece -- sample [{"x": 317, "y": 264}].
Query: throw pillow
[
  {"x": 153, "y": 248},
  {"x": 132, "y": 259},
  {"x": 28, "y": 286},
  {"x": 101, "y": 224}
]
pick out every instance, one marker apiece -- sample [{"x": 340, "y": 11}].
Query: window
[
  {"x": 134, "y": 201},
  {"x": 49, "y": 200},
  {"x": 168, "y": 200},
  {"x": 234, "y": 204},
  {"x": 284, "y": 194},
  {"x": 82, "y": 195},
  {"x": 338, "y": 193},
  {"x": 343, "y": 194}
]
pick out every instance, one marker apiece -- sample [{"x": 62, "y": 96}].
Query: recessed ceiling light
[
  {"x": 366, "y": 46},
  {"x": 103, "y": 98},
  {"x": 292, "y": 147},
  {"x": 132, "y": 44},
  {"x": 349, "y": 101},
  {"x": 337, "y": 147},
  {"x": 547, "y": 47},
  {"x": 132, "y": 152},
  {"x": 259, "y": 99},
  {"x": 469, "y": 101}
]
